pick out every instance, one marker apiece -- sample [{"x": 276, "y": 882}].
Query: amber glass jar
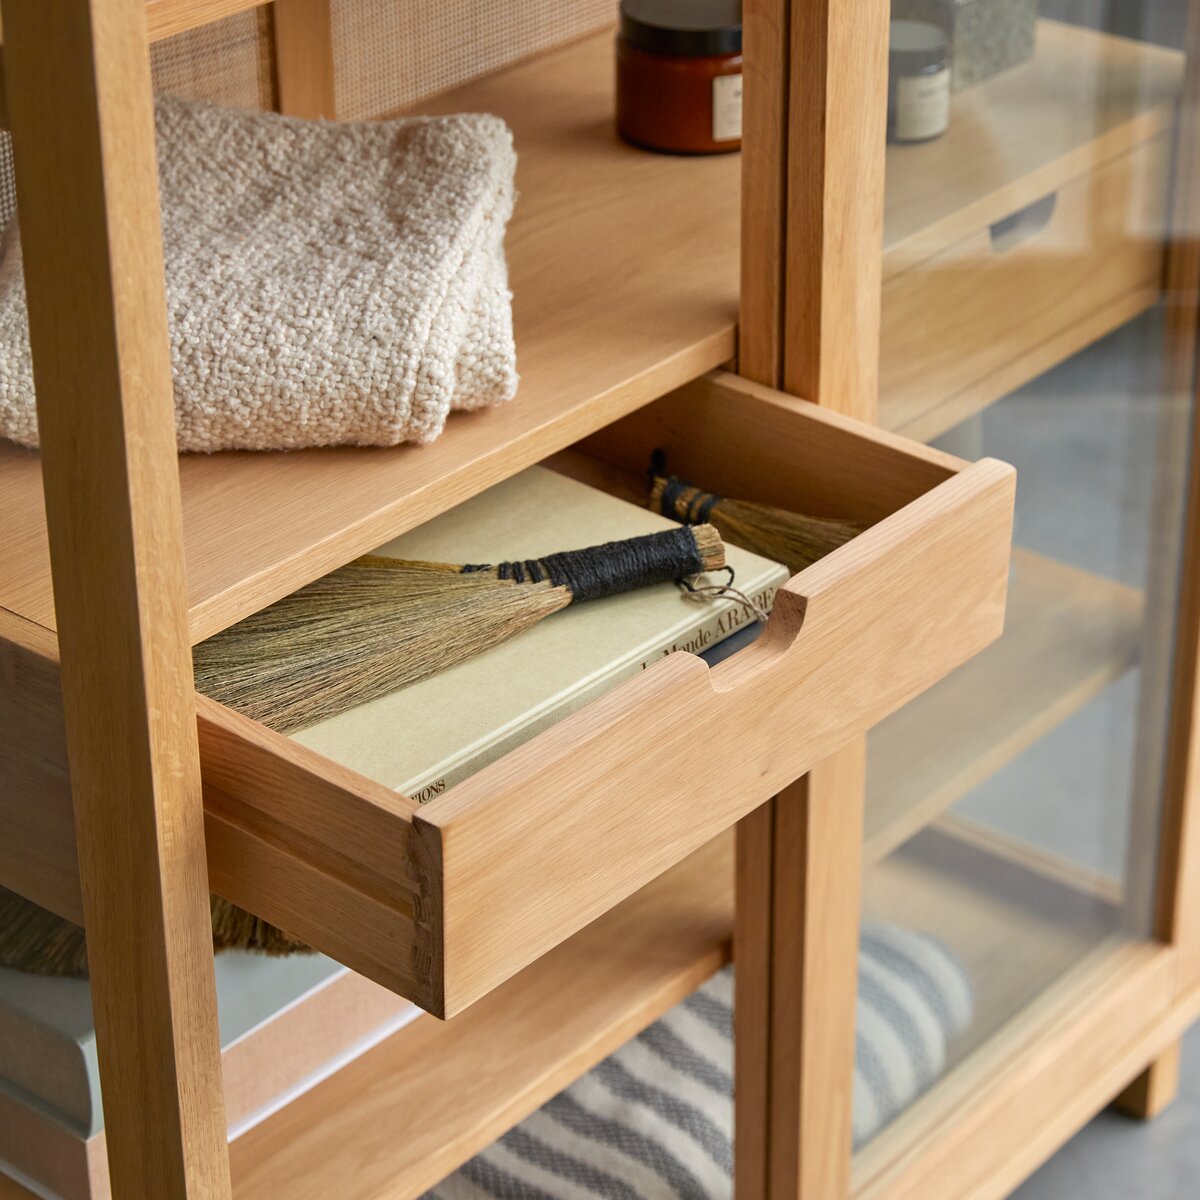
[{"x": 679, "y": 75}]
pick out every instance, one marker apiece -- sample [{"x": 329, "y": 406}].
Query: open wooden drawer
[{"x": 444, "y": 901}]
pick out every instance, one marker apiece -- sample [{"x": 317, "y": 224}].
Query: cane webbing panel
[
  {"x": 228, "y": 62},
  {"x": 390, "y": 55}
]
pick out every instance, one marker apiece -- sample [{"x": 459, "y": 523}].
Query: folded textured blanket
[
  {"x": 326, "y": 283},
  {"x": 654, "y": 1121}
]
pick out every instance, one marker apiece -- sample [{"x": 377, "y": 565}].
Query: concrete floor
[{"x": 1115, "y": 1158}]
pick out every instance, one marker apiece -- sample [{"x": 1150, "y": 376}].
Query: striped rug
[{"x": 654, "y": 1121}]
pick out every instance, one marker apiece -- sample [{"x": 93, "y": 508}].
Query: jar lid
[
  {"x": 915, "y": 45},
  {"x": 685, "y": 28}
]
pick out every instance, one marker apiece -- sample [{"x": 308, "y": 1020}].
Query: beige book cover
[{"x": 426, "y": 737}]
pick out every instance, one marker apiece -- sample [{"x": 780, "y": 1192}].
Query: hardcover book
[
  {"x": 432, "y": 734},
  {"x": 287, "y": 1023}
]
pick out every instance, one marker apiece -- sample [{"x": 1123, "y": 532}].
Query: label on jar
[
  {"x": 727, "y": 108},
  {"x": 922, "y": 106}
]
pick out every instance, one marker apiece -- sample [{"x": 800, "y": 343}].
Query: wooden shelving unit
[
  {"x": 165, "y": 18},
  {"x": 1043, "y": 941},
  {"x": 1069, "y": 634},
  {"x": 625, "y": 269},
  {"x": 1017, "y": 928},
  {"x": 463, "y": 1083},
  {"x": 987, "y": 281},
  {"x": 613, "y": 306},
  {"x": 1084, "y": 98}
]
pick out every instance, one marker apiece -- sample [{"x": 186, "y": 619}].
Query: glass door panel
[{"x": 1012, "y": 811}]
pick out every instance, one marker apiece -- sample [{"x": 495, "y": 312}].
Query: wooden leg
[
  {"x": 83, "y": 138},
  {"x": 752, "y": 1002},
  {"x": 1154, "y": 1088},
  {"x": 795, "y": 946}
]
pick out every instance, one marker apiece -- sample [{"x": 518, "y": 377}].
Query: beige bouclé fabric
[{"x": 326, "y": 283}]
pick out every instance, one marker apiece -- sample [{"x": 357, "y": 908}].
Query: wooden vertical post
[
  {"x": 766, "y": 28},
  {"x": 83, "y": 136},
  {"x": 303, "y": 31},
  {"x": 813, "y": 150},
  {"x": 837, "y": 131}
]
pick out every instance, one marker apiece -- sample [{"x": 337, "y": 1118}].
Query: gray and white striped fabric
[{"x": 654, "y": 1121}]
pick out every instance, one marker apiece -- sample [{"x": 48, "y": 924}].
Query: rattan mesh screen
[
  {"x": 8, "y": 186},
  {"x": 228, "y": 62},
  {"x": 389, "y": 54}
]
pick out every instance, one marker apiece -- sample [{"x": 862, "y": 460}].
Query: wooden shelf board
[
  {"x": 1084, "y": 97},
  {"x": 1069, "y": 634},
  {"x": 624, "y": 269},
  {"x": 164, "y": 18},
  {"x": 472, "y": 1078},
  {"x": 406, "y": 1114},
  {"x": 945, "y": 413}
]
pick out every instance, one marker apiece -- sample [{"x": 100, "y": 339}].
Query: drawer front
[
  {"x": 537, "y": 845},
  {"x": 443, "y": 902},
  {"x": 994, "y": 310}
]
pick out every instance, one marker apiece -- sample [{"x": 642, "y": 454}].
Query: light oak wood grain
[
  {"x": 613, "y": 307},
  {"x": 1178, "y": 895},
  {"x": 1083, "y": 99},
  {"x": 80, "y": 92},
  {"x": 35, "y": 1146},
  {"x": 465, "y": 1082},
  {"x": 275, "y": 1061},
  {"x": 1044, "y": 952},
  {"x": 816, "y": 899},
  {"x": 291, "y": 836},
  {"x": 766, "y": 33},
  {"x": 1163, "y": 852},
  {"x": 837, "y": 110},
  {"x": 753, "y": 946},
  {"x": 1068, "y": 635},
  {"x": 164, "y": 18},
  {"x": 977, "y": 319},
  {"x": 303, "y": 34},
  {"x": 1155, "y": 1088},
  {"x": 810, "y": 314},
  {"x": 37, "y": 853},
  {"x": 510, "y": 862},
  {"x": 1012, "y": 1106},
  {"x": 802, "y": 691}
]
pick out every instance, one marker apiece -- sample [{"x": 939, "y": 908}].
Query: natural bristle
[
  {"x": 364, "y": 631},
  {"x": 791, "y": 538},
  {"x": 353, "y": 636},
  {"x": 35, "y": 941},
  {"x": 712, "y": 549}
]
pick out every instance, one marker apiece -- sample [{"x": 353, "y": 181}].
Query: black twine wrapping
[{"x": 611, "y": 568}]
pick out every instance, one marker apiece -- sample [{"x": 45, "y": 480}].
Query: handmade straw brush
[
  {"x": 381, "y": 623},
  {"x": 794, "y": 539},
  {"x": 359, "y": 633}
]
